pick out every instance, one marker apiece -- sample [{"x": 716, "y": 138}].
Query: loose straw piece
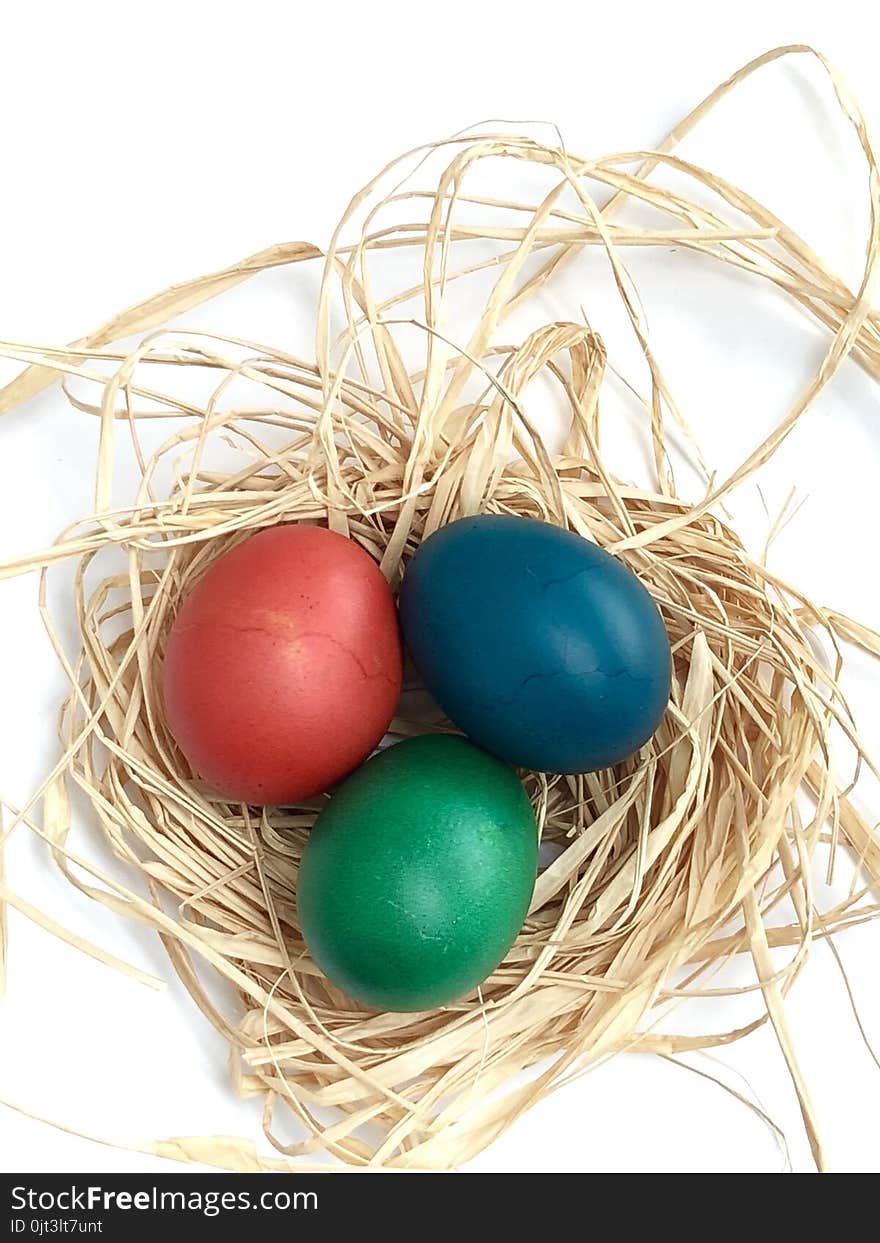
[{"x": 664, "y": 867}]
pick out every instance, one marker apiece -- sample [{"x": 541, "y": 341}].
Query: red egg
[{"x": 283, "y": 666}]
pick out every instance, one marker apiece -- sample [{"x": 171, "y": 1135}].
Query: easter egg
[
  {"x": 283, "y": 666},
  {"x": 417, "y": 875},
  {"x": 540, "y": 646}
]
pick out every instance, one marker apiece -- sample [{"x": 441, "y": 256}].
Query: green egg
[{"x": 418, "y": 874}]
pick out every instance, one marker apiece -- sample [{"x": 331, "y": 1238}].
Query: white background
[{"x": 142, "y": 144}]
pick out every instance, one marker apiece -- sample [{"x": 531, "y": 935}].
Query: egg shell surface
[
  {"x": 417, "y": 875},
  {"x": 539, "y": 645},
  {"x": 283, "y": 666}
]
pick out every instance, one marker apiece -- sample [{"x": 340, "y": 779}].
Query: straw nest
[{"x": 661, "y": 870}]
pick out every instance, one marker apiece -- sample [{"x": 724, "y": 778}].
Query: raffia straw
[{"x": 668, "y": 866}]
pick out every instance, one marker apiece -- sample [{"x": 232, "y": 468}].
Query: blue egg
[{"x": 541, "y": 647}]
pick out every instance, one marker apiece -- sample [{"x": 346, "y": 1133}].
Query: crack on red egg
[{"x": 271, "y": 632}]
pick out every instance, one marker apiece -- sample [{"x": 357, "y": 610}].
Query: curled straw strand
[{"x": 666, "y": 867}]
